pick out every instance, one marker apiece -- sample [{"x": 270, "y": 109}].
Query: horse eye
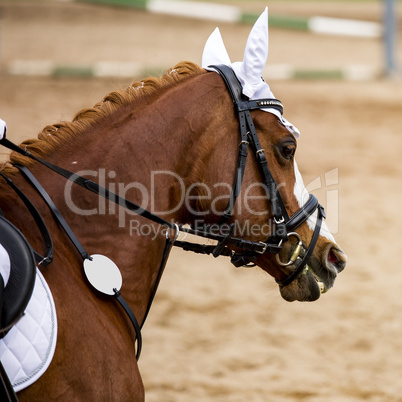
[{"x": 288, "y": 151}]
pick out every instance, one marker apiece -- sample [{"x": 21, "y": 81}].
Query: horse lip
[
  {"x": 323, "y": 287},
  {"x": 322, "y": 273},
  {"x": 297, "y": 289}
]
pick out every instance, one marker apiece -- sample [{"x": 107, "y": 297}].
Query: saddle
[{"x": 15, "y": 296}]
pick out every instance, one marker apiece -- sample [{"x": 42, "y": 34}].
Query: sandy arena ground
[{"x": 216, "y": 333}]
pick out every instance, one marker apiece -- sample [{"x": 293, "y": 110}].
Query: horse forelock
[{"x": 52, "y": 137}]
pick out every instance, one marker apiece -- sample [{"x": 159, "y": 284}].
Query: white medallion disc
[{"x": 103, "y": 274}]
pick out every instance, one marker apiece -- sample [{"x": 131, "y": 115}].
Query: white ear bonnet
[{"x": 249, "y": 71}]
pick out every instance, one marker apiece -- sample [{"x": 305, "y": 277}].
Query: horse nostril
[{"x": 337, "y": 258}]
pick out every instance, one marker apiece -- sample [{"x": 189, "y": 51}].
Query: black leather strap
[
  {"x": 248, "y": 132},
  {"x": 90, "y": 185},
  {"x": 7, "y": 393},
  {"x": 48, "y": 258},
  {"x": 303, "y": 263},
  {"x": 235, "y": 90},
  {"x": 201, "y": 248},
  {"x": 302, "y": 214},
  {"x": 284, "y": 224},
  {"x": 166, "y": 251},
  {"x": 133, "y": 320},
  {"x": 297, "y": 218},
  {"x": 84, "y": 254},
  {"x": 55, "y": 211},
  {"x": 260, "y": 104},
  {"x": 238, "y": 180},
  {"x": 277, "y": 205},
  {"x": 232, "y": 83},
  {"x": 239, "y": 243},
  {"x": 250, "y": 250}
]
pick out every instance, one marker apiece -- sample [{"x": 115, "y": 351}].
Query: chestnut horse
[{"x": 167, "y": 144}]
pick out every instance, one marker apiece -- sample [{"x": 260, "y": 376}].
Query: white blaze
[{"x": 302, "y": 195}]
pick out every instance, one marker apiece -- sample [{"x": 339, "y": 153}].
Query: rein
[{"x": 247, "y": 251}]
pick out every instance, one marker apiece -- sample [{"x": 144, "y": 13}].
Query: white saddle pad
[{"x": 28, "y": 348}]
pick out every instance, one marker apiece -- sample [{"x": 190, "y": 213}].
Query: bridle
[
  {"x": 241, "y": 251},
  {"x": 284, "y": 226}
]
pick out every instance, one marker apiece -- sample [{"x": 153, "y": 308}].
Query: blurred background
[{"x": 216, "y": 333}]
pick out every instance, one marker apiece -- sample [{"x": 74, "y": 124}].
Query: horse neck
[
  {"x": 153, "y": 155},
  {"x": 149, "y": 157}
]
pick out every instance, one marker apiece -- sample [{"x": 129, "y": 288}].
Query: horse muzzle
[{"x": 317, "y": 277}]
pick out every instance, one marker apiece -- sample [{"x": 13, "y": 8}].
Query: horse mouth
[
  {"x": 308, "y": 286},
  {"x": 316, "y": 278},
  {"x": 321, "y": 285}
]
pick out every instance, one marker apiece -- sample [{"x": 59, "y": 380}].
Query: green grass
[
  {"x": 133, "y": 3},
  {"x": 72, "y": 71}
]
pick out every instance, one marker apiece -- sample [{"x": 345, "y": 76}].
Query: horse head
[
  {"x": 309, "y": 258},
  {"x": 158, "y": 138}
]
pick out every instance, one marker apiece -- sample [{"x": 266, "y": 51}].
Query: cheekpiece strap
[{"x": 248, "y": 135}]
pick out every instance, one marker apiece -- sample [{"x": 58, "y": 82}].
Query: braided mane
[{"x": 53, "y": 136}]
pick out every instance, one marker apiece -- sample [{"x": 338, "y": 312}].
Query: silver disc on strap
[{"x": 103, "y": 274}]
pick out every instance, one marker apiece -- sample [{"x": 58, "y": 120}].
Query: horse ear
[
  {"x": 256, "y": 52},
  {"x": 215, "y": 51}
]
